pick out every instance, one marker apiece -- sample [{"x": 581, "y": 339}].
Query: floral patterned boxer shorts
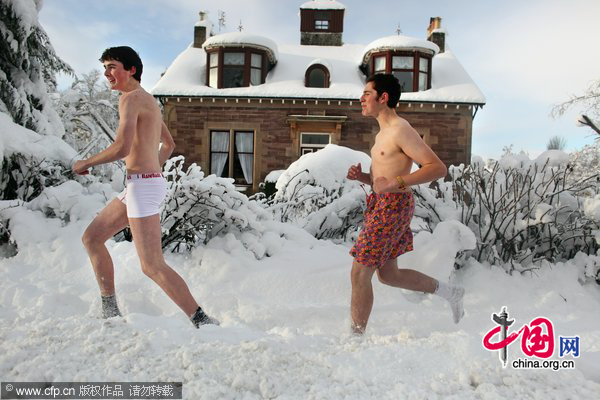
[{"x": 386, "y": 230}]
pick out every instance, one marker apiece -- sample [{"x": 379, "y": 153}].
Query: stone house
[{"x": 241, "y": 105}]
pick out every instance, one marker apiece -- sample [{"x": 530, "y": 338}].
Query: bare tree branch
[{"x": 588, "y": 122}]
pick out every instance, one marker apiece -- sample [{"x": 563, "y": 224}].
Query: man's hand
[
  {"x": 354, "y": 172},
  {"x": 80, "y": 167}
]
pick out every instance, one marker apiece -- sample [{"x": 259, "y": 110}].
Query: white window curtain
[
  {"x": 244, "y": 143},
  {"x": 219, "y": 142}
]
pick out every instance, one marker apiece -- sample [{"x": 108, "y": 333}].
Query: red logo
[
  {"x": 535, "y": 341},
  {"x": 537, "y": 338}
]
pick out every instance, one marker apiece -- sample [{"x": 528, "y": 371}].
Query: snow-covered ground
[
  {"x": 284, "y": 318},
  {"x": 284, "y": 322}
]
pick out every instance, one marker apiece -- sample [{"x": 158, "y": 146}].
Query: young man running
[
  {"x": 139, "y": 135},
  {"x": 386, "y": 232}
]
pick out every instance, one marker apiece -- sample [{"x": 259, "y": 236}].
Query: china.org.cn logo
[{"x": 537, "y": 343}]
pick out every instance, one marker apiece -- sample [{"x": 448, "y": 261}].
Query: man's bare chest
[{"x": 385, "y": 150}]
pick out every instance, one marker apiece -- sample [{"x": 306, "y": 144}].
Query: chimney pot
[{"x": 435, "y": 34}]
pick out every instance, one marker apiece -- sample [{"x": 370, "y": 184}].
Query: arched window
[
  {"x": 317, "y": 76},
  {"x": 412, "y": 68}
]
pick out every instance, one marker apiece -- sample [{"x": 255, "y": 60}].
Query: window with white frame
[
  {"x": 232, "y": 155},
  {"x": 256, "y": 69},
  {"x": 322, "y": 20},
  {"x": 313, "y": 141},
  {"x": 213, "y": 75}
]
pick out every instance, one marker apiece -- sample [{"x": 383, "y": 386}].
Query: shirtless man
[
  {"x": 139, "y": 135},
  {"x": 386, "y": 232}
]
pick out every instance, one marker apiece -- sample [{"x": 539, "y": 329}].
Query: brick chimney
[
  {"x": 321, "y": 23},
  {"x": 202, "y": 30},
  {"x": 436, "y": 34}
]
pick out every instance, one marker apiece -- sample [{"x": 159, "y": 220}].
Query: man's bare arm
[
  {"x": 432, "y": 168},
  {"x": 120, "y": 148},
  {"x": 167, "y": 144},
  {"x": 366, "y": 178}
]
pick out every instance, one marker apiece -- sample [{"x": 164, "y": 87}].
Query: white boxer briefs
[{"x": 143, "y": 194}]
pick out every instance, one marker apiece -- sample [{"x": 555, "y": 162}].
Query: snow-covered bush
[
  {"x": 521, "y": 211},
  {"x": 24, "y": 177},
  {"x": 30, "y": 161},
  {"x": 72, "y": 200},
  {"x": 7, "y": 245},
  {"x": 585, "y": 163},
  {"x": 198, "y": 208},
  {"x": 268, "y": 186},
  {"x": 313, "y": 193},
  {"x": 589, "y": 268}
]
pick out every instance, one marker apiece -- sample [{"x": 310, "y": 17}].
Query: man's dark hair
[
  {"x": 387, "y": 83},
  {"x": 127, "y": 56}
]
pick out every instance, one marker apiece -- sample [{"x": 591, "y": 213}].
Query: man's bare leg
[
  {"x": 111, "y": 220},
  {"x": 362, "y": 296},
  {"x": 410, "y": 279},
  {"x": 147, "y": 238}
]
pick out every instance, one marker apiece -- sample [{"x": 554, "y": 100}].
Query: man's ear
[
  {"x": 383, "y": 99},
  {"x": 132, "y": 71}
]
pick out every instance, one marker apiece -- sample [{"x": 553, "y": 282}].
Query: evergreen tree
[{"x": 28, "y": 65}]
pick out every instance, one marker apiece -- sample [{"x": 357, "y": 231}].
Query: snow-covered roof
[
  {"x": 187, "y": 76},
  {"x": 320, "y": 61},
  {"x": 449, "y": 83},
  {"x": 322, "y": 5},
  {"x": 399, "y": 42},
  {"x": 243, "y": 39}
]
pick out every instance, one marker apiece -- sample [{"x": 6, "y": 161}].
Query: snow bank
[{"x": 285, "y": 324}]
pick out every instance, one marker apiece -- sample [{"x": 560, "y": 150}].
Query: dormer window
[
  {"x": 235, "y": 67},
  {"x": 412, "y": 68},
  {"x": 317, "y": 76}
]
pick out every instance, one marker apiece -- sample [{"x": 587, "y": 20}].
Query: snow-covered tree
[
  {"x": 28, "y": 65},
  {"x": 585, "y": 162},
  {"x": 33, "y": 155},
  {"x": 90, "y": 113},
  {"x": 588, "y": 103}
]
